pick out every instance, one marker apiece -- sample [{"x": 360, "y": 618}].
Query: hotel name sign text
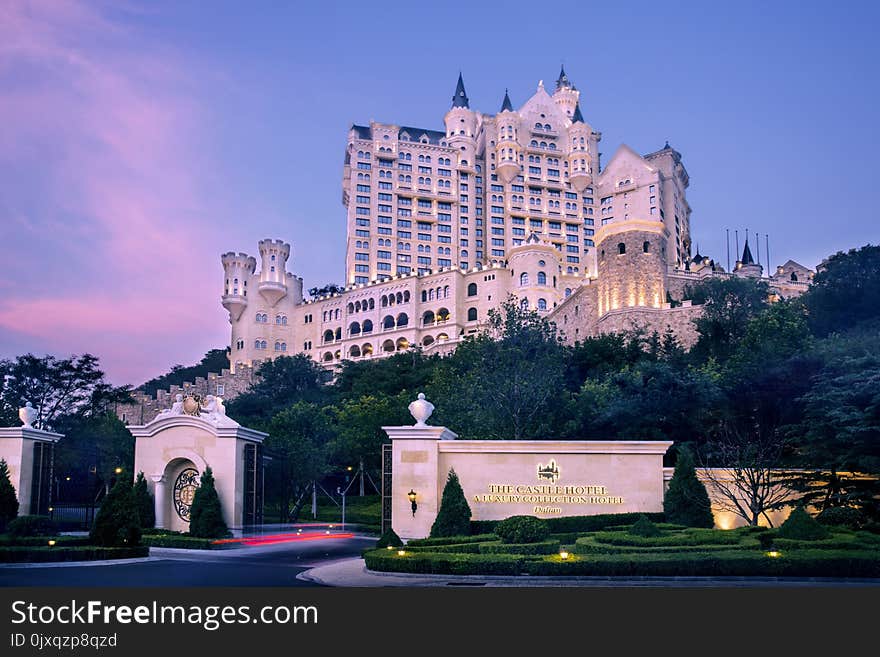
[{"x": 544, "y": 496}]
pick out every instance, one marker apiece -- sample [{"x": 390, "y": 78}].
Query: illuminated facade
[{"x": 444, "y": 225}]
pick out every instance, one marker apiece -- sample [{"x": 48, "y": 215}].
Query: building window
[
  {"x": 646, "y": 247},
  {"x": 523, "y": 279},
  {"x": 542, "y": 278},
  {"x": 542, "y": 304},
  {"x": 621, "y": 248},
  {"x": 472, "y": 289},
  {"x": 472, "y": 314}
]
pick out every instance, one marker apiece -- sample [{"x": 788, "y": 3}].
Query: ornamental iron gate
[
  {"x": 253, "y": 484},
  {"x": 41, "y": 479},
  {"x": 386, "y": 488}
]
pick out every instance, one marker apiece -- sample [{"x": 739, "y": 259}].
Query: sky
[{"x": 139, "y": 141}]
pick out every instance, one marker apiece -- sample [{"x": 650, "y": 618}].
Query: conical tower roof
[{"x": 460, "y": 98}]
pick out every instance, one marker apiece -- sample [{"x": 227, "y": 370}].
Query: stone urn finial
[
  {"x": 28, "y": 415},
  {"x": 421, "y": 410}
]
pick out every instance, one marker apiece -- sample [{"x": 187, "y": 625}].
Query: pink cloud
[{"x": 102, "y": 133}]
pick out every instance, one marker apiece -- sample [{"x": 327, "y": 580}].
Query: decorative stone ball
[
  {"x": 190, "y": 406},
  {"x": 421, "y": 410}
]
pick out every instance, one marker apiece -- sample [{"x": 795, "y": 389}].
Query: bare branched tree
[{"x": 742, "y": 465}]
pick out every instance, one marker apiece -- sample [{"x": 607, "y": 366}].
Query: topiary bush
[
  {"x": 801, "y": 526},
  {"x": 8, "y": 500},
  {"x": 117, "y": 523},
  {"x": 841, "y": 516},
  {"x": 522, "y": 529},
  {"x": 32, "y": 526},
  {"x": 686, "y": 501},
  {"x": 454, "y": 516},
  {"x": 144, "y": 502},
  {"x": 206, "y": 514},
  {"x": 389, "y": 538},
  {"x": 644, "y": 527}
]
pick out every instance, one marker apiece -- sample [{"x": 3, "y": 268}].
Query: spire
[
  {"x": 577, "y": 114},
  {"x": 460, "y": 98},
  {"x": 562, "y": 82},
  {"x": 747, "y": 258},
  {"x": 506, "y": 105}
]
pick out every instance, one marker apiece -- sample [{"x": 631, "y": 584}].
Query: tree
[
  {"x": 686, "y": 501},
  {"x": 8, "y": 500},
  {"x": 215, "y": 360},
  {"x": 742, "y": 467},
  {"x": 117, "y": 523},
  {"x": 454, "y": 516},
  {"x": 407, "y": 371},
  {"x": 55, "y": 387},
  {"x": 281, "y": 382},
  {"x": 845, "y": 290},
  {"x": 206, "y": 514},
  {"x": 727, "y": 306},
  {"x": 505, "y": 383},
  {"x": 144, "y": 502},
  {"x": 359, "y": 434},
  {"x": 94, "y": 441},
  {"x": 298, "y": 441}
]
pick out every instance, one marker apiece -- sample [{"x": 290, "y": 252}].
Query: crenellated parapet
[{"x": 237, "y": 269}]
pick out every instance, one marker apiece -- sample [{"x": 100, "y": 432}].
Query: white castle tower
[
  {"x": 238, "y": 268},
  {"x": 273, "y": 272}
]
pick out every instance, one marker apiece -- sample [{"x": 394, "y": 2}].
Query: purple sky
[{"x": 138, "y": 141}]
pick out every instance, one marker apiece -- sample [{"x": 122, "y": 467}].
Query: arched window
[
  {"x": 542, "y": 278},
  {"x": 283, "y": 346},
  {"x": 406, "y": 296},
  {"x": 262, "y": 344},
  {"x": 388, "y": 346},
  {"x": 328, "y": 336},
  {"x": 354, "y": 328},
  {"x": 336, "y": 313},
  {"x": 472, "y": 314},
  {"x": 350, "y": 308},
  {"x": 646, "y": 246},
  {"x": 431, "y": 294},
  {"x": 442, "y": 315},
  {"x": 445, "y": 291},
  {"x": 367, "y": 350},
  {"x": 428, "y": 340},
  {"x": 256, "y": 344},
  {"x": 472, "y": 289},
  {"x": 542, "y": 304},
  {"x": 794, "y": 277},
  {"x": 372, "y": 303},
  {"x": 567, "y": 292},
  {"x": 388, "y": 322},
  {"x": 327, "y": 357},
  {"x": 428, "y": 318},
  {"x": 402, "y": 319},
  {"x": 524, "y": 304},
  {"x": 339, "y": 333},
  {"x": 355, "y": 351},
  {"x": 621, "y": 248},
  {"x": 523, "y": 279},
  {"x": 367, "y": 326},
  {"x": 399, "y": 298},
  {"x": 277, "y": 346},
  {"x": 384, "y": 301},
  {"x": 424, "y": 295}
]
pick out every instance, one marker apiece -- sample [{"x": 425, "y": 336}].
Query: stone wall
[
  {"x": 679, "y": 319},
  {"x": 226, "y": 384}
]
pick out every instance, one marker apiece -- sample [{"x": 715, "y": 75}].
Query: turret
[
  {"x": 631, "y": 264},
  {"x": 507, "y": 151},
  {"x": 237, "y": 269},
  {"x": 461, "y": 125},
  {"x": 580, "y": 157},
  {"x": 746, "y": 265},
  {"x": 566, "y": 95},
  {"x": 273, "y": 274},
  {"x": 535, "y": 266}
]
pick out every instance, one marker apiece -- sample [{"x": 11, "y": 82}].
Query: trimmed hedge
[
  {"x": 451, "y": 540},
  {"x": 456, "y": 548},
  {"x": 32, "y": 526},
  {"x": 42, "y": 541},
  {"x": 444, "y": 564},
  {"x": 522, "y": 529},
  {"x": 587, "y": 546},
  {"x": 576, "y": 523},
  {"x": 671, "y": 539},
  {"x": 178, "y": 541},
  {"x": 805, "y": 563},
  {"x": 543, "y": 547},
  {"x": 24, "y": 554}
]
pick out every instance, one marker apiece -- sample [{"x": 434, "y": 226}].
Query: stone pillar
[
  {"x": 17, "y": 449},
  {"x": 159, "y": 499},
  {"x": 414, "y": 453}
]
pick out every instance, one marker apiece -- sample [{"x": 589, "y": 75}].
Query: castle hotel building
[{"x": 444, "y": 225}]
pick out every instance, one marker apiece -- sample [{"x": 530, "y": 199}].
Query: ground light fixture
[
  {"x": 412, "y": 500},
  {"x": 563, "y": 555},
  {"x": 774, "y": 554},
  {"x": 51, "y": 542},
  {"x": 401, "y": 553},
  {"x": 118, "y": 470}
]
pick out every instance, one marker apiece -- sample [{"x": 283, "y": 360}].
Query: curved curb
[{"x": 70, "y": 564}]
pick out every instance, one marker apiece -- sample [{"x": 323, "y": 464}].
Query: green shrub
[
  {"x": 644, "y": 527},
  {"x": 801, "y": 526},
  {"x": 24, "y": 554},
  {"x": 178, "y": 541},
  {"x": 841, "y": 516},
  {"x": 454, "y": 516},
  {"x": 8, "y": 500},
  {"x": 670, "y": 539},
  {"x": 391, "y": 538},
  {"x": 686, "y": 501},
  {"x": 565, "y": 538},
  {"x": 766, "y": 539},
  {"x": 578, "y": 524},
  {"x": 32, "y": 526},
  {"x": 588, "y": 545},
  {"x": 206, "y": 514},
  {"x": 450, "y": 540},
  {"x": 444, "y": 564},
  {"x": 522, "y": 529},
  {"x": 117, "y": 523},
  {"x": 144, "y": 502},
  {"x": 542, "y": 547}
]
